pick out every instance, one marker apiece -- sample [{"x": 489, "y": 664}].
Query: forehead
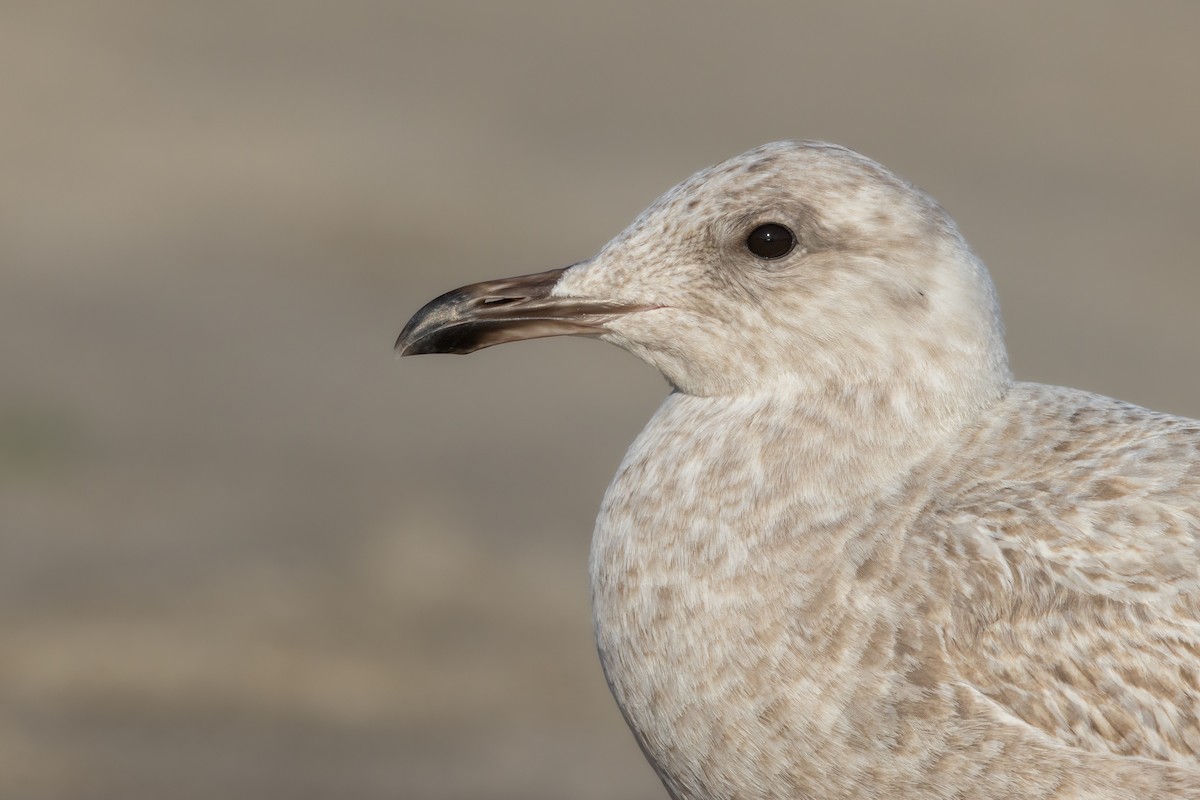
[{"x": 831, "y": 179}]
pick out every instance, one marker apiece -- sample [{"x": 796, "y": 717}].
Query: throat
[{"x": 836, "y": 436}]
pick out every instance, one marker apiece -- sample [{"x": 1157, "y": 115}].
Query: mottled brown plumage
[{"x": 849, "y": 557}]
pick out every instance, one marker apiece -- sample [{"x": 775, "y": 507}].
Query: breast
[{"x": 740, "y": 613}]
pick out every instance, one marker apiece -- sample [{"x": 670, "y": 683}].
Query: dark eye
[{"x": 770, "y": 241}]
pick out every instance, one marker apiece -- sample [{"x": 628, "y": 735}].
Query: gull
[{"x": 850, "y": 557}]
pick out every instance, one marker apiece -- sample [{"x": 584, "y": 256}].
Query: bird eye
[{"x": 770, "y": 241}]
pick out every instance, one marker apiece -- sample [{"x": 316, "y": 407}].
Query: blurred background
[{"x": 244, "y": 553}]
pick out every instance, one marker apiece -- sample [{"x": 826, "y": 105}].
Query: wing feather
[{"x": 1082, "y": 617}]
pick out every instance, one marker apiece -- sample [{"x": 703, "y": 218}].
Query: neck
[{"x": 860, "y": 432}]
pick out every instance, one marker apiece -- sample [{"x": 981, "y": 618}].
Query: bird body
[
  {"x": 849, "y": 557},
  {"x": 953, "y": 629}
]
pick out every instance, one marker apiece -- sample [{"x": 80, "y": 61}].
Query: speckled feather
[{"x": 849, "y": 557}]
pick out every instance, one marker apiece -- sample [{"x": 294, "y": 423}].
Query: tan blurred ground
[{"x": 246, "y": 554}]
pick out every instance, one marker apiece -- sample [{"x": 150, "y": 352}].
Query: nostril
[{"x": 501, "y": 301}]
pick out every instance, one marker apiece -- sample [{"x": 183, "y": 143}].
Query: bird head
[{"x": 797, "y": 265}]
